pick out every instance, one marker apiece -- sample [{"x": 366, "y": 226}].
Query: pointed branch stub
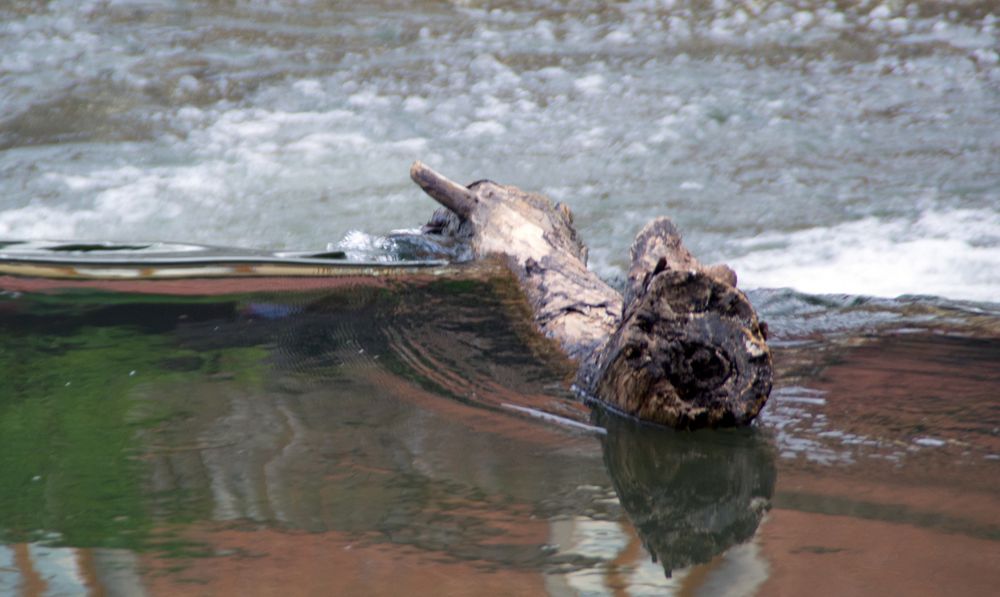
[{"x": 445, "y": 191}]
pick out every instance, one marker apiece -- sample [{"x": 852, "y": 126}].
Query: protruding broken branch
[
  {"x": 684, "y": 349},
  {"x": 444, "y": 190}
]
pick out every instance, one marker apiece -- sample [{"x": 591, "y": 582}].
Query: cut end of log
[
  {"x": 689, "y": 353},
  {"x": 445, "y": 191}
]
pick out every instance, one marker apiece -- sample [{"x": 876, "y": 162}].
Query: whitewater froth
[{"x": 949, "y": 253}]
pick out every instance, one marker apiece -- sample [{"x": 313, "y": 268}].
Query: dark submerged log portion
[{"x": 684, "y": 347}]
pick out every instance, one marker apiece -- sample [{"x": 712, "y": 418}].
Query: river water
[{"x": 843, "y": 157}]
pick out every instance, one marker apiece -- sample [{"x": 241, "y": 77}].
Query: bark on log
[{"x": 683, "y": 348}]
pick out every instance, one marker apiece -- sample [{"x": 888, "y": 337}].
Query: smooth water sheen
[
  {"x": 415, "y": 432},
  {"x": 372, "y": 435}
]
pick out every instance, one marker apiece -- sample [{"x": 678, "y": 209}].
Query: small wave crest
[{"x": 953, "y": 254}]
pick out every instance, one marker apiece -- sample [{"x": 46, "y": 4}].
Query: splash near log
[{"x": 683, "y": 347}]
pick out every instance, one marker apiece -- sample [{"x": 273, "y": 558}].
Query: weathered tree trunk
[{"x": 683, "y": 348}]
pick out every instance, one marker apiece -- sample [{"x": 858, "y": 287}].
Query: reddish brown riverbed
[{"x": 372, "y": 438}]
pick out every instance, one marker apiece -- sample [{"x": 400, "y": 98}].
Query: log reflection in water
[
  {"x": 368, "y": 418},
  {"x": 690, "y": 495}
]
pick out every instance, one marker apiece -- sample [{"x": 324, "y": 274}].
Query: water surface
[
  {"x": 356, "y": 435},
  {"x": 380, "y": 431},
  {"x": 844, "y": 147}
]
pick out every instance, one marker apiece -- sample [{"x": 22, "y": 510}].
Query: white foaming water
[
  {"x": 361, "y": 246},
  {"x": 952, "y": 254},
  {"x": 866, "y": 130}
]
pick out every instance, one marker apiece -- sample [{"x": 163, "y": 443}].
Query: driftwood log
[{"x": 682, "y": 348}]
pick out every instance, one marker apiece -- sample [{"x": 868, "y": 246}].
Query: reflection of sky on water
[{"x": 801, "y": 428}]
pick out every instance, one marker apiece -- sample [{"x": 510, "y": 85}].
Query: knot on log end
[{"x": 689, "y": 353}]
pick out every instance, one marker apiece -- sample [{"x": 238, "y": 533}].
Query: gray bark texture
[{"x": 683, "y": 347}]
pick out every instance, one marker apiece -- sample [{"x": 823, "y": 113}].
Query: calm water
[
  {"x": 414, "y": 432},
  {"x": 369, "y": 434}
]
